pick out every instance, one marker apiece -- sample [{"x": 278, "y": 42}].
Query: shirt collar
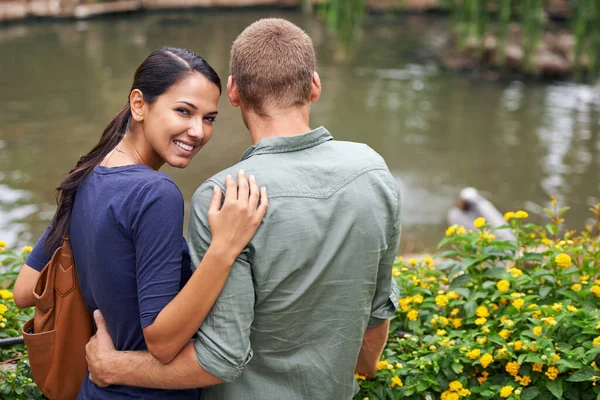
[{"x": 284, "y": 144}]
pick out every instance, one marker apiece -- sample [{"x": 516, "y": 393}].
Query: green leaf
[
  {"x": 530, "y": 393},
  {"x": 459, "y": 281},
  {"x": 582, "y": 375},
  {"x": 457, "y": 368},
  {"x": 555, "y": 387},
  {"x": 544, "y": 291},
  {"x": 488, "y": 284},
  {"x": 532, "y": 257}
]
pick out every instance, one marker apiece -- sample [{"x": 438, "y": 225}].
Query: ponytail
[{"x": 65, "y": 192}]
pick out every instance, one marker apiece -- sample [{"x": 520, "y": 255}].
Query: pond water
[{"x": 517, "y": 142}]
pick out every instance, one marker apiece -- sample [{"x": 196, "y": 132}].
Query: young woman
[{"x": 125, "y": 219}]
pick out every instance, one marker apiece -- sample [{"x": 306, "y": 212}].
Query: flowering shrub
[
  {"x": 15, "y": 375},
  {"x": 492, "y": 319}
]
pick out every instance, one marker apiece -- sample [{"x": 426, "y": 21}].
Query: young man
[{"x": 309, "y": 300}]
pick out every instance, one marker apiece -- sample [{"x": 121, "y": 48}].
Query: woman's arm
[
  {"x": 232, "y": 226},
  {"x": 23, "y": 290}
]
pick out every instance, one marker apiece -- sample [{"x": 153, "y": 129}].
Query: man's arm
[
  {"x": 139, "y": 368},
  {"x": 370, "y": 351},
  {"x": 385, "y": 301}
]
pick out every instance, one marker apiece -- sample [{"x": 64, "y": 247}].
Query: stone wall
[{"x": 20, "y": 9}]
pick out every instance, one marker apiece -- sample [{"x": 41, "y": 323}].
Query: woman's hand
[{"x": 234, "y": 223}]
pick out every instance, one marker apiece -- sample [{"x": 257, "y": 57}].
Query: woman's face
[{"x": 180, "y": 121}]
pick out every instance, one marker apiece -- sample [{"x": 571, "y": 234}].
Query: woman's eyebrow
[{"x": 189, "y": 104}]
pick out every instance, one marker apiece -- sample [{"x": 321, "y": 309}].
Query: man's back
[{"x": 305, "y": 290}]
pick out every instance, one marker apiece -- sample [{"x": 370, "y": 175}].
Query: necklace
[{"x": 127, "y": 154}]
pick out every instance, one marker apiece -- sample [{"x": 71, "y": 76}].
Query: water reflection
[{"x": 439, "y": 132}]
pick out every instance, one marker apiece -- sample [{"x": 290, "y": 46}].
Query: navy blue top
[{"x": 131, "y": 258}]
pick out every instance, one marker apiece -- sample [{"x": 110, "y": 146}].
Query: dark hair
[{"x": 161, "y": 70}]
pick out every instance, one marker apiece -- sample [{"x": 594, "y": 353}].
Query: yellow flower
[
  {"x": 480, "y": 321},
  {"x": 537, "y": 331},
  {"x": 455, "y": 386},
  {"x": 482, "y": 340},
  {"x": 412, "y": 261},
  {"x": 572, "y": 308},
  {"x": 483, "y": 377},
  {"x": 513, "y": 368},
  {"x": 537, "y": 367},
  {"x": 3, "y": 243},
  {"x": 452, "y": 295},
  {"x": 576, "y": 287},
  {"x": 417, "y": 298},
  {"x": 509, "y": 215},
  {"x": 596, "y": 290},
  {"x": 451, "y": 230},
  {"x": 360, "y": 377},
  {"x": 396, "y": 381},
  {"x": 412, "y": 315},
  {"x": 506, "y": 391},
  {"x": 474, "y": 354},
  {"x": 479, "y": 222},
  {"x": 598, "y": 325},
  {"x": 440, "y": 332},
  {"x": 549, "y": 321},
  {"x": 504, "y": 333},
  {"x": 441, "y": 300},
  {"x": 26, "y": 249},
  {"x": 5, "y": 294},
  {"x": 448, "y": 395},
  {"x": 595, "y": 342},
  {"x": 3, "y": 309},
  {"x": 482, "y": 311},
  {"x": 396, "y": 272},
  {"x": 524, "y": 381},
  {"x": 444, "y": 321},
  {"x": 486, "y": 360},
  {"x": 428, "y": 260},
  {"x": 485, "y": 329},
  {"x": 555, "y": 358},
  {"x": 516, "y": 272},
  {"x": 455, "y": 312},
  {"x": 503, "y": 285},
  {"x": 398, "y": 365},
  {"x": 518, "y": 303},
  {"x": 382, "y": 365},
  {"x": 552, "y": 373},
  {"x": 464, "y": 392},
  {"x": 546, "y": 241},
  {"x": 518, "y": 345},
  {"x": 521, "y": 214},
  {"x": 404, "y": 302},
  {"x": 432, "y": 348},
  {"x": 563, "y": 260},
  {"x": 461, "y": 230},
  {"x": 558, "y": 306}
]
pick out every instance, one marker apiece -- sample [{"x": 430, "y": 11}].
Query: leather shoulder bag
[{"x": 60, "y": 329}]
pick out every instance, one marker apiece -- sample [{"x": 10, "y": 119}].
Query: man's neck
[{"x": 289, "y": 123}]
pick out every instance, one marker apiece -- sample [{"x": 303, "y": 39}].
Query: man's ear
[
  {"x": 315, "y": 89},
  {"x": 232, "y": 92},
  {"x": 137, "y": 105}
]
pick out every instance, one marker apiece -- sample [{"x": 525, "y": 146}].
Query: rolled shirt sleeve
[
  {"x": 385, "y": 301},
  {"x": 223, "y": 341}
]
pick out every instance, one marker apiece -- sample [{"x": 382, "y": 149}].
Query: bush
[
  {"x": 491, "y": 319},
  {"x": 15, "y": 380}
]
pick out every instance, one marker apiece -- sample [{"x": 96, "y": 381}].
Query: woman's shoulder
[{"x": 137, "y": 181}]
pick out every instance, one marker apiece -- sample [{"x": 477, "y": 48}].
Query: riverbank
[{"x": 14, "y": 10}]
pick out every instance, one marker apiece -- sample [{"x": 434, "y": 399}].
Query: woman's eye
[
  {"x": 183, "y": 111},
  {"x": 210, "y": 119}
]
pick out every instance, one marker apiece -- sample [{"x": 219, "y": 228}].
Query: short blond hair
[{"x": 272, "y": 62}]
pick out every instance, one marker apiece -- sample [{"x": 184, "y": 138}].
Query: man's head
[{"x": 272, "y": 67}]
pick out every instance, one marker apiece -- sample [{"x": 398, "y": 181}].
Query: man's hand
[{"x": 99, "y": 352}]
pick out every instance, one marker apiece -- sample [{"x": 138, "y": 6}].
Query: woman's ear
[
  {"x": 138, "y": 105},
  {"x": 232, "y": 92}
]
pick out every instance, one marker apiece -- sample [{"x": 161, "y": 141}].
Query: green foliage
[
  {"x": 15, "y": 381},
  {"x": 492, "y": 319}
]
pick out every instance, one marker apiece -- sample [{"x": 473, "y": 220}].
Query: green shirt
[{"x": 290, "y": 320}]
